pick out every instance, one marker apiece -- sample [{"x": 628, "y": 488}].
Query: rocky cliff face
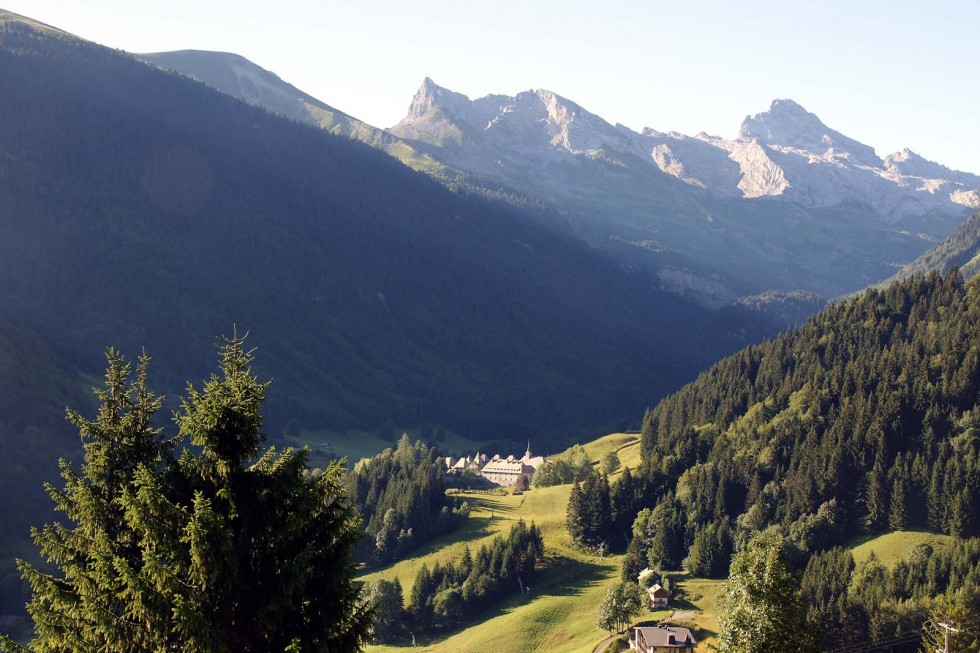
[
  {"x": 537, "y": 124},
  {"x": 785, "y": 153}
]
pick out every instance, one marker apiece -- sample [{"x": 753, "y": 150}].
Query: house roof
[
  {"x": 534, "y": 461},
  {"x": 667, "y": 636},
  {"x": 504, "y": 467},
  {"x": 658, "y": 591}
]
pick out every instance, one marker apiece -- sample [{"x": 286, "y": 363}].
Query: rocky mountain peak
[
  {"x": 907, "y": 162},
  {"x": 788, "y": 125},
  {"x": 432, "y": 96},
  {"x": 785, "y": 120},
  {"x": 784, "y": 151},
  {"x": 905, "y": 154},
  {"x": 788, "y": 107},
  {"x": 785, "y": 123}
]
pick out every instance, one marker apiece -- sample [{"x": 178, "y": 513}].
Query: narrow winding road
[{"x": 601, "y": 646}]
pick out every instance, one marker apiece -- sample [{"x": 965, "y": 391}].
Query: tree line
[
  {"x": 452, "y": 593},
  {"x": 401, "y": 496},
  {"x": 571, "y": 466},
  {"x": 599, "y": 515},
  {"x": 855, "y": 603}
]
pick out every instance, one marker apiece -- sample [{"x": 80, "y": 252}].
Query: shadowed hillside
[{"x": 147, "y": 210}]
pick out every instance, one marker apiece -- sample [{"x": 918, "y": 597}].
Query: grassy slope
[
  {"x": 892, "y": 547},
  {"x": 560, "y": 614},
  {"x": 701, "y": 596},
  {"x": 626, "y": 446}
]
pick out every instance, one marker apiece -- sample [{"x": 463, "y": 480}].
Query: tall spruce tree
[
  {"x": 575, "y": 514},
  {"x": 219, "y": 550},
  {"x": 624, "y": 499},
  {"x": 84, "y": 606}
]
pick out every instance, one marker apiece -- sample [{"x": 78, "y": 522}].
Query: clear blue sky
[{"x": 890, "y": 73}]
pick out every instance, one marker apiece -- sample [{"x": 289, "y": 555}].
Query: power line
[
  {"x": 873, "y": 645},
  {"x": 860, "y": 646},
  {"x": 895, "y": 640}
]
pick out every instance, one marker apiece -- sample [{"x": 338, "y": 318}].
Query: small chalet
[
  {"x": 663, "y": 639},
  {"x": 659, "y": 597}
]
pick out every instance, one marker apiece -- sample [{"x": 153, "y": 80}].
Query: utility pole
[{"x": 947, "y": 629}]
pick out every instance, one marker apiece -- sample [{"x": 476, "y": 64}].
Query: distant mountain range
[
  {"x": 785, "y": 152},
  {"x": 788, "y": 205}
]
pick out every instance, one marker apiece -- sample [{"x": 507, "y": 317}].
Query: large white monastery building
[{"x": 498, "y": 470}]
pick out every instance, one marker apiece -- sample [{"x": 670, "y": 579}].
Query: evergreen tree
[
  {"x": 711, "y": 550},
  {"x": 596, "y": 489},
  {"x": 636, "y": 552},
  {"x": 876, "y": 498},
  {"x": 624, "y": 500},
  {"x": 898, "y": 517},
  {"x": 667, "y": 544},
  {"x": 420, "y": 605},
  {"x": 589, "y": 516},
  {"x": 83, "y": 606},
  {"x": 761, "y": 608},
  {"x": 575, "y": 518},
  {"x": 219, "y": 550}
]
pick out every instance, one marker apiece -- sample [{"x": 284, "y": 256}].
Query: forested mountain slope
[
  {"x": 142, "y": 209},
  {"x": 865, "y": 419},
  {"x": 960, "y": 249},
  {"x": 37, "y": 384}
]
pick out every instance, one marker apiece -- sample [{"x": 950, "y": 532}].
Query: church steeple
[{"x": 527, "y": 454}]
